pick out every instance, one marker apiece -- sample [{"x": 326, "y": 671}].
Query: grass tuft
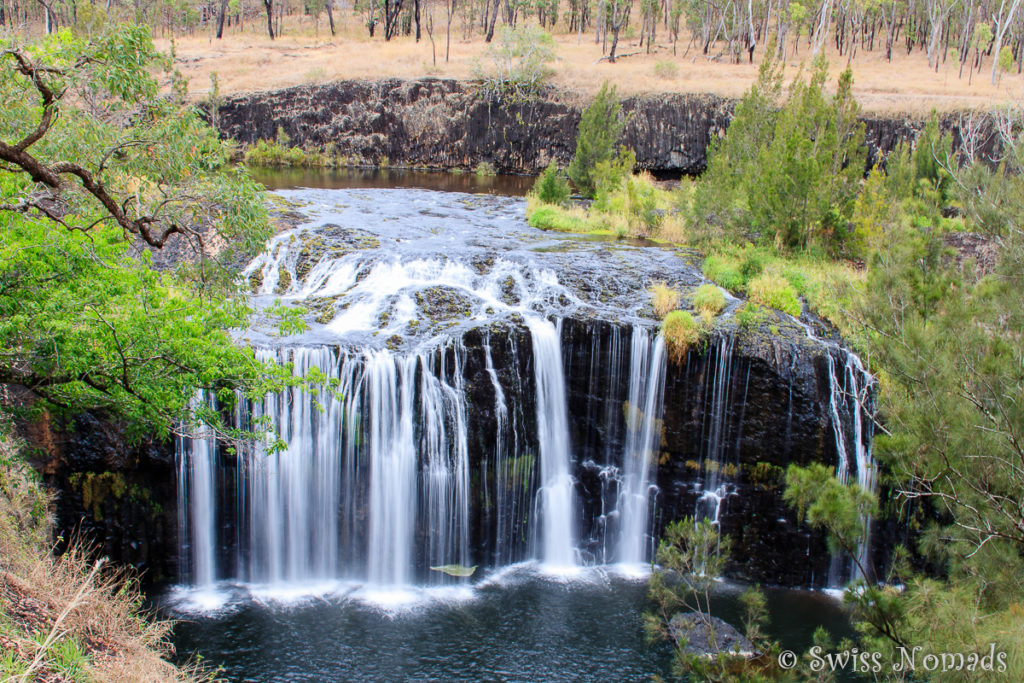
[
  {"x": 774, "y": 291},
  {"x": 664, "y": 299},
  {"x": 682, "y": 332},
  {"x": 708, "y": 300}
]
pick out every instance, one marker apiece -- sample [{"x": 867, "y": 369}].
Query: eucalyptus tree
[
  {"x": 1002, "y": 19},
  {"x": 98, "y": 174}
]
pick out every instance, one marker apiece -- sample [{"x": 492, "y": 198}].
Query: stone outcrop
[{"x": 443, "y": 124}]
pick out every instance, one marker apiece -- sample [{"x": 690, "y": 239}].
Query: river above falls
[{"x": 407, "y": 268}]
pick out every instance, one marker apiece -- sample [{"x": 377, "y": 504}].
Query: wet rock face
[
  {"x": 437, "y": 123},
  {"x": 118, "y": 496},
  {"x": 748, "y": 410},
  {"x": 745, "y": 408}
]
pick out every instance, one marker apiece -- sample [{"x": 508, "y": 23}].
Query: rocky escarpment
[{"x": 442, "y": 124}]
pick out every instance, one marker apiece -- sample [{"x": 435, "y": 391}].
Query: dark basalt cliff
[
  {"x": 442, "y": 124},
  {"x": 116, "y": 495},
  {"x": 750, "y": 404}
]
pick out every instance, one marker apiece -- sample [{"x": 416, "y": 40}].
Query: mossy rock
[
  {"x": 313, "y": 249},
  {"x": 324, "y": 308},
  {"x": 441, "y": 304},
  {"x": 345, "y": 240},
  {"x": 483, "y": 264},
  {"x": 394, "y": 342},
  {"x": 255, "y": 281},
  {"x": 509, "y": 294},
  {"x": 284, "y": 280}
]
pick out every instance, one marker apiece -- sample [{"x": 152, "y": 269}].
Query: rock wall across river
[{"x": 446, "y": 124}]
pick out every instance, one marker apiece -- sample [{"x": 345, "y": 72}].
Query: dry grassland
[{"x": 247, "y": 60}]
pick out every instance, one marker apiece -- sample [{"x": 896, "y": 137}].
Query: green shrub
[
  {"x": 277, "y": 152},
  {"x": 641, "y": 204},
  {"x": 708, "y": 300},
  {"x": 485, "y": 169},
  {"x": 681, "y": 332},
  {"x": 632, "y": 197},
  {"x": 666, "y": 70},
  {"x": 751, "y": 315},
  {"x": 600, "y": 128},
  {"x": 723, "y": 271},
  {"x": 609, "y": 178},
  {"x": 555, "y": 218},
  {"x": 788, "y": 175},
  {"x": 752, "y": 264},
  {"x": 775, "y": 292},
  {"x": 551, "y": 187},
  {"x": 810, "y": 174}
]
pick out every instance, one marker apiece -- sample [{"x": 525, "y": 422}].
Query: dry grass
[
  {"x": 49, "y": 601},
  {"x": 664, "y": 299},
  {"x": 248, "y": 60}
]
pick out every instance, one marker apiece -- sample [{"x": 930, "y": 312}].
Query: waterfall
[
  {"x": 290, "y": 494},
  {"x": 196, "y": 459},
  {"x": 849, "y": 393},
  {"x": 557, "y": 494},
  {"x": 392, "y": 453},
  {"x": 440, "y": 435},
  {"x": 715, "y": 433},
  {"x": 361, "y": 467},
  {"x": 643, "y": 436},
  {"x": 513, "y": 474},
  {"x": 444, "y": 446}
]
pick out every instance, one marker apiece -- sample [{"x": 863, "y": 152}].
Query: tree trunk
[
  {"x": 1000, "y": 31},
  {"x": 220, "y": 18},
  {"x": 450, "y": 8},
  {"x": 330, "y": 15},
  {"x": 490, "y": 24},
  {"x": 416, "y": 17},
  {"x": 269, "y": 5}
]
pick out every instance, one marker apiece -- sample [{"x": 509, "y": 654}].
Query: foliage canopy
[{"x": 101, "y": 177}]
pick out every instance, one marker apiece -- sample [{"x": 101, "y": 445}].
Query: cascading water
[
  {"x": 643, "y": 436},
  {"x": 289, "y": 495},
  {"x": 392, "y": 454},
  {"x": 513, "y": 475},
  {"x": 719, "y": 470},
  {"x": 849, "y": 399},
  {"x": 196, "y": 460},
  {"x": 446, "y": 471},
  {"x": 446, "y": 438},
  {"x": 557, "y": 506}
]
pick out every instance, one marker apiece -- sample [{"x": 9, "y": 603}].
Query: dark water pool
[
  {"x": 369, "y": 178},
  {"x": 520, "y": 628}
]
